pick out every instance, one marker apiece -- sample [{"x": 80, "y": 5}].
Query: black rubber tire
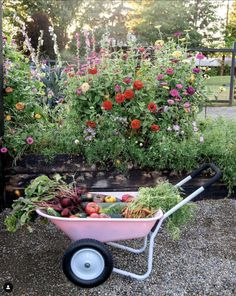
[{"x": 91, "y": 244}]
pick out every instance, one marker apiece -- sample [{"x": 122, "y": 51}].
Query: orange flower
[
  {"x": 9, "y": 90},
  {"x": 20, "y": 106},
  {"x": 135, "y": 124}
]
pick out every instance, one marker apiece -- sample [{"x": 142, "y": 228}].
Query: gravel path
[
  {"x": 202, "y": 262},
  {"x": 214, "y": 112}
]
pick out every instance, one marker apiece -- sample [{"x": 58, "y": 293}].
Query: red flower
[
  {"x": 107, "y": 105},
  {"x": 135, "y": 124},
  {"x": 155, "y": 128},
  {"x": 141, "y": 49},
  {"x": 138, "y": 84},
  {"x": 129, "y": 94},
  {"x": 152, "y": 107},
  {"x": 91, "y": 124},
  {"x": 120, "y": 98},
  {"x": 92, "y": 71}
]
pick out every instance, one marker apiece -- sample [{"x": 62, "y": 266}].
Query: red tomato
[
  {"x": 94, "y": 215},
  {"x": 127, "y": 198},
  {"x": 92, "y": 207}
]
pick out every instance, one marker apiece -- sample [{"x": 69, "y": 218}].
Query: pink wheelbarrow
[{"x": 88, "y": 263}]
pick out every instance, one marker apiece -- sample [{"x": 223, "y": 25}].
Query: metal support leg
[{"x": 132, "y": 250}]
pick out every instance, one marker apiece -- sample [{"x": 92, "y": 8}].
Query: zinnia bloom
[
  {"x": 92, "y": 71},
  {"x": 160, "y": 76},
  {"x": 29, "y": 140},
  {"x": 177, "y": 34},
  {"x": 152, "y": 107},
  {"x": 196, "y": 70},
  {"x": 4, "y": 150},
  {"x": 135, "y": 124},
  {"x": 179, "y": 86},
  {"x": 190, "y": 90},
  {"x": 170, "y": 71},
  {"x": 129, "y": 94},
  {"x": 170, "y": 102},
  {"x": 200, "y": 56},
  {"x": 138, "y": 84},
  {"x": 155, "y": 128},
  {"x": 20, "y": 106},
  {"x": 174, "y": 93},
  {"x": 127, "y": 80},
  {"x": 187, "y": 105},
  {"x": 37, "y": 116},
  {"x": 8, "y": 117},
  {"x": 107, "y": 105},
  {"x": 9, "y": 90},
  {"x": 85, "y": 87},
  {"x": 117, "y": 88},
  {"x": 120, "y": 98},
  {"x": 91, "y": 124}
]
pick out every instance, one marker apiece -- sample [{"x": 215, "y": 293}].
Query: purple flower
[
  {"x": 179, "y": 86},
  {"x": 117, "y": 88},
  {"x": 160, "y": 76},
  {"x": 4, "y": 150},
  {"x": 177, "y": 34},
  {"x": 176, "y": 127},
  {"x": 178, "y": 99},
  {"x": 191, "y": 90},
  {"x": 170, "y": 102},
  {"x": 187, "y": 105},
  {"x": 29, "y": 140},
  {"x": 174, "y": 92},
  {"x": 196, "y": 70},
  {"x": 195, "y": 129},
  {"x": 170, "y": 71},
  {"x": 200, "y": 56}
]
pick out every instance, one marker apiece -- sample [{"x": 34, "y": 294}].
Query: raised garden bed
[{"x": 95, "y": 178}]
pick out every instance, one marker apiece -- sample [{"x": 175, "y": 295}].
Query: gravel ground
[
  {"x": 214, "y": 112},
  {"x": 202, "y": 262}
]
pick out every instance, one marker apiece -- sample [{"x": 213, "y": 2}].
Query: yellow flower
[
  {"x": 37, "y": 116},
  {"x": 138, "y": 73},
  {"x": 165, "y": 86},
  {"x": 20, "y": 106},
  {"x": 8, "y": 117},
  {"x": 221, "y": 89},
  {"x": 192, "y": 79},
  {"x": 177, "y": 54},
  {"x": 159, "y": 42},
  {"x": 85, "y": 87},
  {"x": 158, "y": 26},
  {"x": 106, "y": 96},
  {"x": 117, "y": 162}
]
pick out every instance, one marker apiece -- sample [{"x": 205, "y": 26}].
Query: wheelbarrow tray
[{"x": 104, "y": 229}]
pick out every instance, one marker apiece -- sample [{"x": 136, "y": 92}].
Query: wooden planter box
[{"x": 95, "y": 178}]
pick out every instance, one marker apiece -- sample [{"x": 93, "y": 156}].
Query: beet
[
  {"x": 65, "y": 212},
  {"x": 65, "y": 202}
]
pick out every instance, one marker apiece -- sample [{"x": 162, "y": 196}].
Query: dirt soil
[{"x": 202, "y": 262}]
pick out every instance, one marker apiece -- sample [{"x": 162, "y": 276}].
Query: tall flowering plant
[{"x": 143, "y": 91}]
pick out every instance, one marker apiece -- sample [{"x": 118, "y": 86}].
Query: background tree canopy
[{"x": 118, "y": 17}]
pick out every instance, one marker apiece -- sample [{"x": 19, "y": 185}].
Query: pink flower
[
  {"x": 29, "y": 140},
  {"x": 79, "y": 91},
  {"x": 127, "y": 80},
  {"x": 170, "y": 71},
  {"x": 160, "y": 76},
  {"x": 179, "y": 86},
  {"x": 174, "y": 93},
  {"x": 187, "y": 105},
  {"x": 200, "y": 56},
  {"x": 117, "y": 88},
  {"x": 170, "y": 102},
  {"x": 177, "y": 34},
  {"x": 4, "y": 150},
  {"x": 163, "y": 83}
]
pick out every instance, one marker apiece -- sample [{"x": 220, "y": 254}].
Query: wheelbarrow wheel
[{"x": 87, "y": 263}]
